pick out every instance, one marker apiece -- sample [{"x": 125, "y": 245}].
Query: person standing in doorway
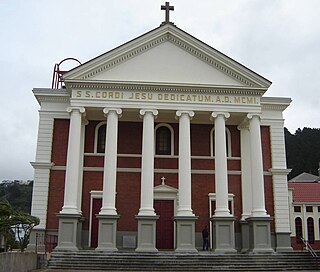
[{"x": 205, "y": 237}]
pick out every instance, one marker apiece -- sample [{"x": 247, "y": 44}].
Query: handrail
[{"x": 309, "y": 247}]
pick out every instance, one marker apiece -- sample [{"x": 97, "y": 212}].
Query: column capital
[
  {"x": 106, "y": 111},
  {"x": 215, "y": 114},
  {"x": 179, "y": 113},
  {"x": 80, "y": 109},
  {"x": 154, "y": 112},
  {"x": 243, "y": 125},
  {"x": 253, "y": 114}
]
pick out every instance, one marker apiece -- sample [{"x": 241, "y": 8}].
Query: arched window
[
  {"x": 310, "y": 227},
  {"x": 228, "y": 142},
  {"x": 298, "y": 226},
  {"x": 164, "y": 139},
  {"x": 100, "y": 137}
]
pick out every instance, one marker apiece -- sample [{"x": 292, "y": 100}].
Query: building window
[
  {"x": 228, "y": 142},
  {"x": 297, "y": 208},
  {"x": 100, "y": 137},
  {"x": 309, "y": 209},
  {"x": 310, "y": 227},
  {"x": 318, "y": 208},
  {"x": 298, "y": 225},
  {"x": 164, "y": 139}
]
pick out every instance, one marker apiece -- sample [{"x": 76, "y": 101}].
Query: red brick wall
[
  {"x": 60, "y": 141},
  {"x": 56, "y": 196},
  {"x": 266, "y": 148},
  {"x": 128, "y": 184}
]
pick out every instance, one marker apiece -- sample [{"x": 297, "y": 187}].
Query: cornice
[
  {"x": 162, "y": 87},
  {"x": 51, "y": 95},
  {"x": 275, "y": 103}
]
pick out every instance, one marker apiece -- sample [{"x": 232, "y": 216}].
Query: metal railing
[{"x": 309, "y": 248}]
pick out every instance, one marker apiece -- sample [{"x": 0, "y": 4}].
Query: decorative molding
[
  {"x": 81, "y": 110},
  {"x": 190, "y": 114},
  {"x": 159, "y": 87},
  {"x": 206, "y": 57},
  {"x": 276, "y": 171},
  {"x": 214, "y": 115},
  {"x": 154, "y": 112},
  {"x": 253, "y": 114},
  {"x": 106, "y": 111},
  {"x": 42, "y": 165}
]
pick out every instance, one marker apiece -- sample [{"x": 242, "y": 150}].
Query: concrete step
[{"x": 166, "y": 261}]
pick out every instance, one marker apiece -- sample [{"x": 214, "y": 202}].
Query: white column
[
  {"x": 110, "y": 162},
  {"x": 83, "y": 132},
  {"x": 184, "y": 207},
  {"x": 147, "y": 163},
  {"x": 221, "y": 171},
  {"x": 246, "y": 183},
  {"x": 72, "y": 180},
  {"x": 258, "y": 202}
]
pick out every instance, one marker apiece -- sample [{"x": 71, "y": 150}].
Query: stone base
[
  {"x": 245, "y": 245},
  {"x": 223, "y": 234},
  {"x": 260, "y": 234},
  {"x": 69, "y": 232},
  {"x": 283, "y": 242},
  {"x": 107, "y": 232},
  {"x": 185, "y": 233},
  {"x": 147, "y": 233}
]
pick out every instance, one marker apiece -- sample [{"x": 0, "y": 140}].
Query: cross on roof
[
  {"x": 163, "y": 180},
  {"x": 167, "y": 8}
]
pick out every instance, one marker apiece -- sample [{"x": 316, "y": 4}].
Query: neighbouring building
[
  {"x": 304, "y": 202},
  {"x": 150, "y": 142}
]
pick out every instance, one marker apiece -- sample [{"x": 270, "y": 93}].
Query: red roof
[{"x": 305, "y": 191}]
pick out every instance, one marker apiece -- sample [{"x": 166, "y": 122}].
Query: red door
[
  {"x": 96, "y": 206},
  {"x": 164, "y": 235}
]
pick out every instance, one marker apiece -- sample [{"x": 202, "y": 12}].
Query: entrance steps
[{"x": 171, "y": 261}]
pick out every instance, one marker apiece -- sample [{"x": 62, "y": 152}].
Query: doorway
[{"x": 165, "y": 224}]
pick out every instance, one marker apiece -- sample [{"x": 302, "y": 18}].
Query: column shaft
[
  {"x": 221, "y": 171},
  {"x": 184, "y": 208},
  {"x": 246, "y": 183},
  {"x": 147, "y": 163},
  {"x": 258, "y": 199},
  {"x": 110, "y": 163},
  {"x": 72, "y": 180}
]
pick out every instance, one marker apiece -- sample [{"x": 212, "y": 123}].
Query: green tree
[
  {"x": 10, "y": 219},
  {"x": 303, "y": 153},
  {"x": 5, "y": 222},
  {"x": 25, "y": 222}
]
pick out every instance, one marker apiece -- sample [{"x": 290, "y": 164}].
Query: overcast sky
[{"x": 278, "y": 39}]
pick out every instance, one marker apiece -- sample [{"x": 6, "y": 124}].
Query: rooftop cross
[
  {"x": 163, "y": 180},
  {"x": 167, "y": 8}
]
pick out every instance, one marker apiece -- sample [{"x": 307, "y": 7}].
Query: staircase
[{"x": 170, "y": 261}]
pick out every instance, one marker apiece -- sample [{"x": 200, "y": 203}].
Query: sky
[{"x": 278, "y": 39}]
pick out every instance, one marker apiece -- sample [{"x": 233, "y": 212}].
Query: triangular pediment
[{"x": 167, "y": 55}]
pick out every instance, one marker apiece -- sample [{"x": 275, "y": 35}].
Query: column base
[
  {"x": 147, "y": 233},
  {"x": 185, "y": 233},
  {"x": 223, "y": 234},
  {"x": 107, "y": 232},
  {"x": 68, "y": 233},
  {"x": 283, "y": 242},
  {"x": 260, "y": 234}
]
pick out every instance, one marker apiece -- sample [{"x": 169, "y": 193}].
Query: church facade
[{"x": 155, "y": 139}]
